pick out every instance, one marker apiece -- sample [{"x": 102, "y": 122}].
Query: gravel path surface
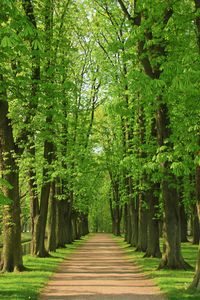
[{"x": 99, "y": 270}]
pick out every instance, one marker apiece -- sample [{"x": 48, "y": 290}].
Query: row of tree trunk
[
  {"x": 142, "y": 225},
  {"x": 64, "y": 224}
]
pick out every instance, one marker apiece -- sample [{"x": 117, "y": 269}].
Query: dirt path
[{"x": 99, "y": 270}]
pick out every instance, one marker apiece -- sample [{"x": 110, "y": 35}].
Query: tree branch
[
  {"x": 197, "y": 6},
  {"x": 28, "y": 8},
  {"x": 125, "y": 10},
  {"x": 136, "y": 19},
  {"x": 106, "y": 53},
  {"x": 167, "y": 16}
]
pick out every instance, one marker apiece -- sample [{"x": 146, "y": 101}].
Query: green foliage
[
  {"x": 99, "y": 210},
  {"x": 4, "y": 200},
  {"x": 81, "y": 85}
]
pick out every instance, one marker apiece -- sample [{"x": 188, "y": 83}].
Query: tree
[
  {"x": 152, "y": 58},
  {"x": 9, "y": 169},
  {"x": 12, "y": 257},
  {"x": 196, "y": 280}
]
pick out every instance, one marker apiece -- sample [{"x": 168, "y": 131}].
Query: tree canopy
[{"x": 99, "y": 123}]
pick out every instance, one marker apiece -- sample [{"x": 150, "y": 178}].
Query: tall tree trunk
[
  {"x": 153, "y": 245},
  {"x": 12, "y": 252},
  {"x": 196, "y": 280},
  {"x": 51, "y": 228},
  {"x": 41, "y": 219},
  {"x": 115, "y": 207},
  {"x": 68, "y": 222},
  {"x": 85, "y": 224},
  {"x": 131, "y": 215},
  {"x": 117, "y": 221},
  {"x": 129, "y": 212},
  {"x": 78, "y": 226},
  {"x": 184, "y": 223},
  {"x": 74, "y": 226},
  {"x": 195, "y": 227},
  {"x": 34, "y": 206},
  {"x": 61, "y": 224},
  {"x": 172, "y": 257},
  {"x": 126, "y": 224},
  {"x": 48, "y": 143},
  {"x": 142, "y": 225},
  {"x": 142, "y": 209},
  {"x": 135, "y": 223},
  {"x": 27, "y": 134},
  {"x": 116, "y": 214}
]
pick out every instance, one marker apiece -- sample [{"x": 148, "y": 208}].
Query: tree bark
[
  {"x": 195, "y": 227},
  {"x": 34, "y": 206},
  {"x": 61, "y": 224},
  {"x": 197, "y": 6},
  {"x": 116, "y": 222},
  {"x": 153, "y": 244},
  {"x": 51, "y": 227},
  {"x": 41, "y": 219},
  {"x": 116, "y": 215},
  {"x": 74, "y": 225},
  {"x": 171, "y": 257},
  {"x": 142, "y": 225},
  {"x": 134, "y": 222},
  {"x": 78, "y": 226},
  {"x": 12, "y": 251},
  {"x": 126, "y": 224},
  {"x": 85, "y": 227},
  {"x": 196, "y": 280},
  {"x": 48, "y": 142},
  {"x": 184, "y": 223},
  {"x": 68, "y": 221},
  {"x": 27, "y": 135},
  {"x": 115, "y": 207},
  {"x": 132, "y": 215}
]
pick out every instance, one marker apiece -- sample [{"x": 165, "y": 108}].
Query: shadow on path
[{"x": 98, "y": 270}]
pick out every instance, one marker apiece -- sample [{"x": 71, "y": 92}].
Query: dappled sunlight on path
[{"x": 99, "y": 270}]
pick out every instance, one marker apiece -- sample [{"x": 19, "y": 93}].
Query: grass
[
  {"x": 27, "y": 285},
  {"x": 26, "y": 237},
  {"x": 173, "y": 283}
]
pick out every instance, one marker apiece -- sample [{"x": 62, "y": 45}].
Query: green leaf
[
  {"x": 37, "y": 45},
  {"x": 4, "y": 200},
  {"x": 6, "y": 42},
  {"x": 4, "y": 182}
]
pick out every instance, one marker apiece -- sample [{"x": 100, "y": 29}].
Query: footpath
[{"x": 99, "y": 270}]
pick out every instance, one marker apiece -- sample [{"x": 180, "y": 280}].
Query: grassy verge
[
  {"x": 27, "y": 285},
  {"x": 26, "y": 237},
  {"x": 173, "y": 283}
]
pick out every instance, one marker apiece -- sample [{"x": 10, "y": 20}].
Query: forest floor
[{"x": 99, "y": 269}]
